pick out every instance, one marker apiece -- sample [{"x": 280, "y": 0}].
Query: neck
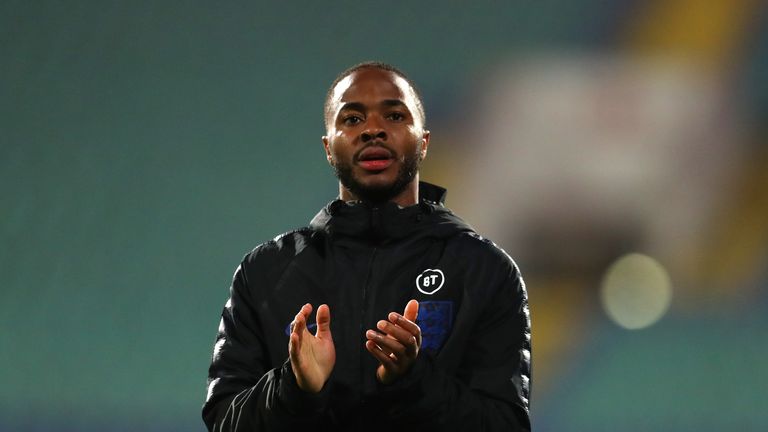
[{"x": 408, "y": 197}]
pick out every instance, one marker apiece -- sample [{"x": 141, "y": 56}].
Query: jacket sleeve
[
  {"x": 491, "y": 387},
  {"x": 244, "y": 391}
]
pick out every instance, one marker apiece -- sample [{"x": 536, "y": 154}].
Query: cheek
[
  {"x": 414, "y": 133},
  {"x": 340, "y": 140},
  {"x": 415, "y": 140},
  {"x": 339, "y": 148}
]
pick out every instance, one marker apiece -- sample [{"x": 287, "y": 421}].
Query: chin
[
  {"x": 376, "y": 183},
  {"x": 375, "y": 187}
]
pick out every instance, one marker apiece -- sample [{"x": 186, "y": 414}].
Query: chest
[{"x": 361, "y": 284}]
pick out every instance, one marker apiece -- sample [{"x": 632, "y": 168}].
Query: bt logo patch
[{"x": 430, "y": 281}]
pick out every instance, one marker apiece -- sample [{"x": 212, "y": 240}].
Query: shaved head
[{"x": 328, "y": 107}]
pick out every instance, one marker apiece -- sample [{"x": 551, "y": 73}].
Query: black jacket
[{"x": 473, "y": 370}]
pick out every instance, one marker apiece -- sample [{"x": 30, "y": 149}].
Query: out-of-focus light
[{"x": 636, "y": 291}]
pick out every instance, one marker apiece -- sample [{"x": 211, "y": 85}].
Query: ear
[
  {"x": 327, "y": 147},
  {"x": 424, "y": 143}
]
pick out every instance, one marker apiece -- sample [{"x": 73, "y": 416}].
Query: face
[{"x": 376, "y": 138}]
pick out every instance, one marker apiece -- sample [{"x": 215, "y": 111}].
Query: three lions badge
[{"x": 435, "y": 317}]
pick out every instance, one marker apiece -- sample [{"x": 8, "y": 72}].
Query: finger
[
  {"x": 305, "y": 311},
  {"x": 386, "y": 343},
  {"x": 377, "y": 337},
  {"x": 294, "y": 346},
  {"x": 304, "y": 315},
  {"x": 402, "y": 335},
  {"x": 409, "y": 325},
  {"x": 323, "y": 318},
  {"x": 299, "y": 326},
  {"x": 410, "y": 342},
  {"x": 411, "y": 310},
  {"x": 383, "y": 357}
]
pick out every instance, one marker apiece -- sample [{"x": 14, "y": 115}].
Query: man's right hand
[{"x": 312, "y": 356}]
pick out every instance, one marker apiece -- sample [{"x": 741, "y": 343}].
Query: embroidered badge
[
  {"x": 435, "y": 320},
  {"x": 430, "y": 281}
]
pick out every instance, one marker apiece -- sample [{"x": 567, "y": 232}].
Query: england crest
[{"x": 435, "y": 320}]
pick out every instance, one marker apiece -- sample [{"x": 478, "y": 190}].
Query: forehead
[{"x": 369, "y": 85}]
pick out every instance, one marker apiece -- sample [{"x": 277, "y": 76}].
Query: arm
[
  {"x": 489, "y": 391},
  {"x": 244, "y": 391}
]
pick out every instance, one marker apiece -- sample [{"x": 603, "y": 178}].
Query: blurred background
[{"x": 618, "y": 150}]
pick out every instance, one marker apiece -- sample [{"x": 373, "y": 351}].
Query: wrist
[
  {"x": 308, "y": 386},
  {"x": 298, "y": 399}
]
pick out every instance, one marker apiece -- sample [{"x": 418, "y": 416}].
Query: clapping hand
[
  {"x": 312, "y": 356},
  {"x": 396, "y": 344}
]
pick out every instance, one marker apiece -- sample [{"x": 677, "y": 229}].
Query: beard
[{"x": 379, "y": 193}]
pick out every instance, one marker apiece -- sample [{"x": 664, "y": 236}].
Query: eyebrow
[
  {"x": 393, "y": 103},
  {"x": 352, "y": 106},
  {"x": 357, "y": 106}
]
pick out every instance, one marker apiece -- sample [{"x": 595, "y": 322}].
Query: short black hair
[{"x": 374, "y": 65}]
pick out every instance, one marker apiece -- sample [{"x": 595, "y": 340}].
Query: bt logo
[{"x": 430, "y": 281}]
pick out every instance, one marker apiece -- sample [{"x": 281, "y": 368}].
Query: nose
[{"x": 373, "y": 131}]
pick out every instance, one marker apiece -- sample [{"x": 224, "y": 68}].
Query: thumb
[
  {"x": 411, "y": 310},
  {"x": 323, "y": 318}
]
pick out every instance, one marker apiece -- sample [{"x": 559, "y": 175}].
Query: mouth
[{"x": 375, "y": 158}]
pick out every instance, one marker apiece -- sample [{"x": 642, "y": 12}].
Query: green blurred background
[{"x": 145, "y": 147}]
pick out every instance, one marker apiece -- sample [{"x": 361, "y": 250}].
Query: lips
[{"x": 375, "y": 158}]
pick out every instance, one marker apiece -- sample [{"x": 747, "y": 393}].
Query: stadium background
[{"x": 616, "y": 149}]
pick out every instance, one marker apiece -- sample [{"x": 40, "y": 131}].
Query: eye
[
  {"x": 396, "y": 116},
  {"x": 351, "y": 120}
]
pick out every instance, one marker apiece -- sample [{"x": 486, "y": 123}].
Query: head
[{"x": 375, "y": 137}]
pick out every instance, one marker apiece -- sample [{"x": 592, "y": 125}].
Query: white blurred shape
[
  {"x": 565, "y": 143},
  {"x": 636, "y": 291}
]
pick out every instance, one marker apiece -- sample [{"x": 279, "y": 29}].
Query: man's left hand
[{"x": 396, "y": 344}]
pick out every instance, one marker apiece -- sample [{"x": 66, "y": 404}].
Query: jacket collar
[{"x": 381, "y": 222}]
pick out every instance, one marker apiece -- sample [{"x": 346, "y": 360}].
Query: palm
[
  {"x": 318, "y": 357},
  {"x": 312, "y": 356}
]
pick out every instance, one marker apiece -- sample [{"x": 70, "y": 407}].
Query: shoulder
[
  {"x": 495, "y": 277},
  {"x": 478, "y": 250},
  {"x": 486, "y": 267},
  {"x": 281, "y": 249}
]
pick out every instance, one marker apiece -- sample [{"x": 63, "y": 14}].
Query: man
[{"x": 419, "y": 324}]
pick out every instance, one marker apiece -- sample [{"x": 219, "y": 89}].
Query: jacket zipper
[
  {"x": 363, "y": 316},
  {"x": 374, "y": 225}
]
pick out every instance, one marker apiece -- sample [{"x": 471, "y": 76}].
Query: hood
[{"x": 389, "y": 221}]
